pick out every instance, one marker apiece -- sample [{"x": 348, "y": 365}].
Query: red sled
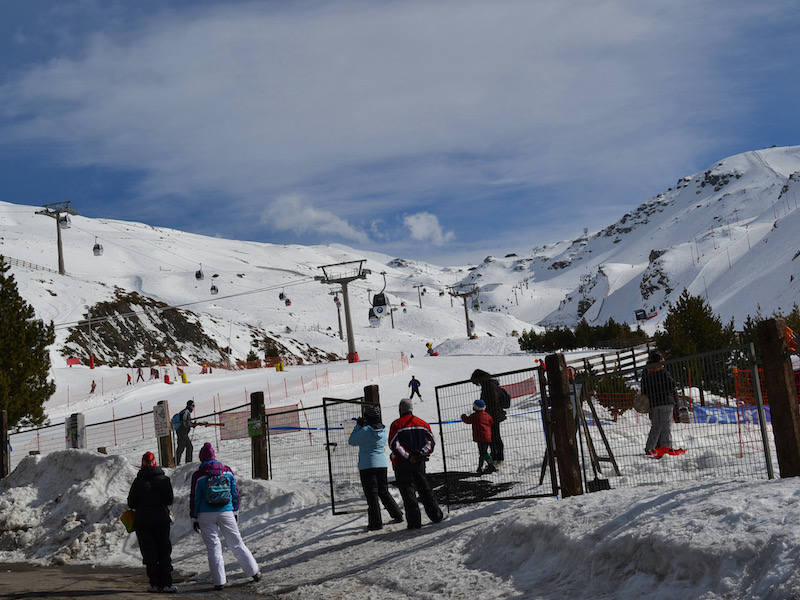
[{"x": 662, "y": 451}]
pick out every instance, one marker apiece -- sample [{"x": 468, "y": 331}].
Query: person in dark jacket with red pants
[
  {"x": 481, "y": 422},
  {"x": 411, "y": 442},
  {"x": 490, "y": 394},
  {"x": 150, "y": 496}
]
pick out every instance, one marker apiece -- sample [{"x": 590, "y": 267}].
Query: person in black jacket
[
  {"x": 490, "y": 394},
  {"x": 150, "y": 496},
  {"x": 182, "y": 433},
  {"x": 658, "y": 385}
]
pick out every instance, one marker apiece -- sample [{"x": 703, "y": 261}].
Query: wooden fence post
[
  {"x": 372, "y": 395},
  {"x": 564, "y": 427},
  {"x": 259, "y": 442},
  {"x": 5, "y": 458},
  {"x": 782, "y": 395},
  {"x": 165, "y": 449}
]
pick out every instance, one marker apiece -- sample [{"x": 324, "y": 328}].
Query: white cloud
[
  {"x": 374, "y": 107},
  {"x": 425, "y": 227},
  {"x": 295, "y": 213}
]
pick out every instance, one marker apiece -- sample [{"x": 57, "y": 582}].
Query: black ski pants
[
  {"x": 376, "y": 488},
  {"x": 410, "y": 482},
  {"x": 183, "y": 443},
  {"x": 156, "y": 551}
]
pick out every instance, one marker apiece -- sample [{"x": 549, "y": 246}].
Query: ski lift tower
[
  {"x": 55, "y": 210},
  {"x": 464, "y": 291},
  {"x": 343, "y": 273}
]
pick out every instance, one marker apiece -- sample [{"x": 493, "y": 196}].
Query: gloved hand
[
  {"x": 417, "y": 456},
  {"x": 196, "y": 525},
  {"x": 361, "y": 421}
]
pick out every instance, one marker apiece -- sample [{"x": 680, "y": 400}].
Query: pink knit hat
[{"x": 207, "y": 452}]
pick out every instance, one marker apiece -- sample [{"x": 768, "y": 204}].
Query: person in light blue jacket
[{"x": 370, "y": 435}]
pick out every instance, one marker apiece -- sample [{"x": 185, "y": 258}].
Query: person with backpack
[
  {"x": 496, "y": 399},
  {"x": 370, "y": 435},
  {"x": 481, "y": 422},
  {"x": 411, "y": 442},
  {"x": 214, "y": 509},
  {"x": 183, "y": 424},
  {"x": 150, "y": 496}
]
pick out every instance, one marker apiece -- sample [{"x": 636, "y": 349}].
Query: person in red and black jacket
[{"x": 411, "y": 442}]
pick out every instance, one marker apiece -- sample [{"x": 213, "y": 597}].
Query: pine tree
[
  {"x": 24, "y": 356},
  {"x": 691, "y": 327}
]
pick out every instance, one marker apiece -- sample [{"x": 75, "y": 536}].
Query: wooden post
[
  {"x": 259, "y": 442},
  {"x": 165, "y": 451},
  {"x": 372, "y": 395},
  {"x": 782, "y": 394},
  {"x": 564, "y": 427},
  {"x": 5, "y": 458}
]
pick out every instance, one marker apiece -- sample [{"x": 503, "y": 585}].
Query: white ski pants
[{"x": 212, "y": 524}]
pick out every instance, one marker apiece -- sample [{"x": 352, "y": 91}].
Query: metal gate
[
  {"x": 527, "y": 471},
  {"x": 340, "y": 419}
]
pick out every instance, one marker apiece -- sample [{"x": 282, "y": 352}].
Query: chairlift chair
[
  {"x": 199, "y": 273},
  {"x": 65, "y": 222},
  {"x": 287, "y": 302},
  {"x": 379, "y": 299},
  {"x": 214, "y": 289},
  {"x": 374, "y": 320},
  {"x": 98, "y": 248}
]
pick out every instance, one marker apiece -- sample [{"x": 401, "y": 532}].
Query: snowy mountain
[
  {"x": 727, "y": 233},
  {"x": 148, "y": 304}
]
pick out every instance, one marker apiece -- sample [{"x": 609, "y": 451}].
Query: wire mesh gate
[
  {"x": 523, "y": 473},
  {"x": 723, "y": 435},
  {"x": 340, "y": 419}
]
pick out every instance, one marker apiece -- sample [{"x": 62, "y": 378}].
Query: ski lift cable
[
  {"x": 163, "y": 250},
  {"x": 162, "y": 309}
]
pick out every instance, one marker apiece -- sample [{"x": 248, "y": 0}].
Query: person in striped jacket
[{"x": 411, "y": 442}]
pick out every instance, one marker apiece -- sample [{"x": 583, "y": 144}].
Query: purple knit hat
[{"x": 207, "y": 452}]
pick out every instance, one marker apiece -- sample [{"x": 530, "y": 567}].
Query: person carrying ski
[
  {"x": 481, "y": 422},
  {"x": 411, "y": 442},
  {"x": 490, "y": 394},
  {"x": 414, "y": 386},
  {"x": 659, "y": 386},
  {"x": 183, "y": 430},
  {"x": 370, "y": 435},
  {"x": 214, "y": 509},
  {"x": 150, "y": 496}
]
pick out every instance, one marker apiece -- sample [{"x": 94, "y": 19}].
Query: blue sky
[{"x": 440, "y": 131}]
